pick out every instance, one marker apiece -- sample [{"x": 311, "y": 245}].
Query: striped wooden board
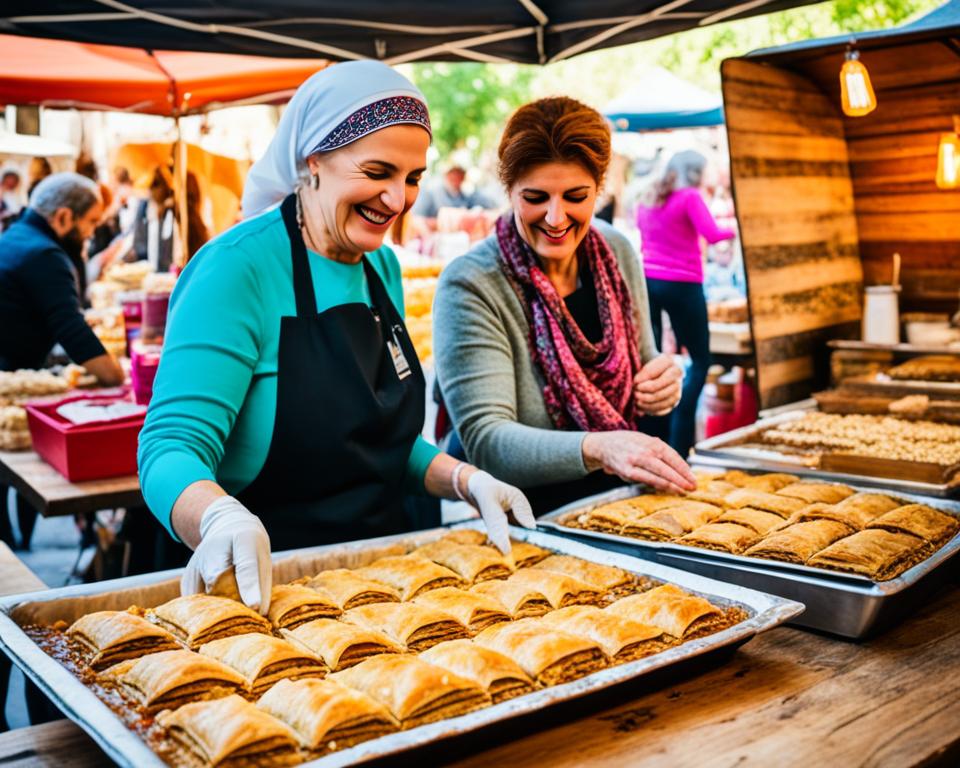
[{"x": 795, "y": 205}]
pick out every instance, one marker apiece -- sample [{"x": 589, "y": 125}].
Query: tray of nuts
[{"x": 906, "y": 456}]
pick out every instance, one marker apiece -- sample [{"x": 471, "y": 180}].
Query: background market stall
[{"x": 824, "y": 199}]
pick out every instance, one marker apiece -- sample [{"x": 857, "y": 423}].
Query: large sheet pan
[
  {"x": 726, "y": 451},
  {"x": 842, "y": 604},
  {"x": 126, "y": 748}
]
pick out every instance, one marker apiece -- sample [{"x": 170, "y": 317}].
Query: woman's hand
[
  {"x": 657, "y": 387},
  {"x": 493, "y": 499},
  {"x": 638, "y": 458},
  {"x": 231, "y": 537}
]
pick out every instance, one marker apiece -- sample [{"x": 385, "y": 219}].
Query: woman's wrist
[{"x": 591, "y": 450}]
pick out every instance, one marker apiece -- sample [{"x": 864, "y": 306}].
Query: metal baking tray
[
  {"x": 725, "y": 451},
  {"x": 843, "y": 604},
  {"x": 127, "y": 749}
]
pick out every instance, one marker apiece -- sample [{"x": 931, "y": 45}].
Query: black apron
[{"x": 349, "y": 408}]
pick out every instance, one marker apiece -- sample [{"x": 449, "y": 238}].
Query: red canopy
[{"x": 57, "y": 73}]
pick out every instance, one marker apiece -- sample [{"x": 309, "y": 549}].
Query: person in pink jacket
[{"x": 672, "y": 220}]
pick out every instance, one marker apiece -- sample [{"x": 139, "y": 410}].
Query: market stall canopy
[
  {"x": 660, "y": 101},
  {"x": 58, "y": 73},
  {"x": 18, "y": 144},
  {"x": 528, "y": 31}
]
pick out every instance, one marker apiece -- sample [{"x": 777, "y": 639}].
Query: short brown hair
[{"x": 557, "y": 129}]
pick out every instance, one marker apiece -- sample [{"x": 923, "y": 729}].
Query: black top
[
  {"x": 39, "y": 298},
  {"x": 582, "y": 304}
]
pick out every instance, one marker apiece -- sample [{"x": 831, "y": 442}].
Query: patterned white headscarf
[{"x": 333, "y": 108}]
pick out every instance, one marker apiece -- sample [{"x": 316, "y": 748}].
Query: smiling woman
[
  {"x": 288, "y": 379},
  {"x": 542, "y": 335}
]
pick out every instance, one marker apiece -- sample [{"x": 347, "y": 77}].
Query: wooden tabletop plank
[
  {"x": 15, "y": 577},
  {"x": 786, "y": 698},
  {"x": 52, "y": 494}
]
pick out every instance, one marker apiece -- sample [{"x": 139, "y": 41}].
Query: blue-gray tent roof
[
  {"x": 946, "y": 18},
  {"x": 529, "y": 31}
]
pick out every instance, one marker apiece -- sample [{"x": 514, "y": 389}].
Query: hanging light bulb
[
  {"x": 856, "y": 91},
  {"x": 948, "y": 158}
]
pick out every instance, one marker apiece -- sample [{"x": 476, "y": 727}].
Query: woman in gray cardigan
[{"x": 544, "y": 351}]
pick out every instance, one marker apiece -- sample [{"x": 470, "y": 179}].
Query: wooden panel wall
[
  {"x": 795, "y": 204},
  {"x": 893, "y": 160}
]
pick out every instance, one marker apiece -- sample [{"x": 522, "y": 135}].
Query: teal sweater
[{"x": 215, "y": 395}]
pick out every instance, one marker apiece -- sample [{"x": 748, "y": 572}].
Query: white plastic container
[{"x": 881, "y": 314}]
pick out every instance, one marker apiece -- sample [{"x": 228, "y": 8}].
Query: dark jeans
[{"x": 686, "y": 306}]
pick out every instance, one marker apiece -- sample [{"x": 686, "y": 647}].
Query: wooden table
[
  {"x": 50, "y": 493},
  {"x": 786, "y": 698}
]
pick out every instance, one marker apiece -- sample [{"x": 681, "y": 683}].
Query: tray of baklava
[
  {"x": 842, "y": 551},
  {"x": 367, "y": 648}
]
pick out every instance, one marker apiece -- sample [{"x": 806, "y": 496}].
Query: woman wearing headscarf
[
  {"x": 672, "y": 219},
  {"x": 542, "y": 338},
  {"x": 289, "y": 402}
]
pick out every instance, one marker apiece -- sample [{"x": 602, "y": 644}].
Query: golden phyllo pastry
[
  {"x": 231, "y": 733},
  {"x": 875, "y": 553},
  {"x": 326, "y": 715},
  {"x": 348, "y": 589},
  {"x": 548, "y": 655},
  {"x": 853, "y": 517},
  {"x": 669, "y": 523},
  {"x": 603, "y": 578},
  {"x": 414, "y": 626},
  {"x": 754, "y": 519},
  {"x": 520, "y": 600},
  {"x": 653, "y": 502},
  {"x": 501, "y": 677},
  {"x": 712, "y": 492},
  {"x": 725, "y": 537},
  {"x": 928, "y": 523},
  {"x": 198, "y": 619},
  {"x": 472, "y": 562},
  {"x": 472, "y": 609},
  {"x": 768, "y": 502},
  {"x": 292, "y": 605},
  {"x": 609, "y": 518},
  {"x": 770, "y": 482},
  {"x": 622, "y": 639},
  {"x": 797, "y": 543},
  {"x": 559, "y": 589},
  {"x": 810, "y": 492},
  {"x": 168, "y": 679},
  {"x": 107, "y": 637},
  {"x": 341, "y": 644},
  {"x": 525, "y": 554},
  {"x": 410, "y": 575},
  {"x": 466, "y": 536},
  {"x": 669, "y": 608},
  {"x": 262, "y": 660},
  {"x": 415, "y": 692}
]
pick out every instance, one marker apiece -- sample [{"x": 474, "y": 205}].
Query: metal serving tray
[
  {"x": 847, "y": 605},
  {"x": 725, "y": 451},
  {"x": 127, "y": 749}
]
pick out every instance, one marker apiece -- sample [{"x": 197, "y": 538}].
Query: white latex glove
[
  {"x": 494, "y": 499},
  {"x": 231, "y": 536}
]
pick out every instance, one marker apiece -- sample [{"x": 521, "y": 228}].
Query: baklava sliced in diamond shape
[
  {"x": 231, "y": 733},
  {"x": 668, "y": 524},
  {"x": 622, "y": 639},
  {"x": 797, "y": 543},
  {"x": 262, "y": 660},
  {"x": 768, "y": 502},
  {"x": 292, "y": 605},
  {"x": 198, "y": 619},
  {"x": 472, "y": 609},
  {"x": 672, "y": 610},
  {"x": 414, "y": 626},
  {"x": 472, "y": 562},
  {"x": 724, "y": 537},
  {"x": 414, "y": 691},
  {"x": 108, "y": 637},
  {"x": 561, "y": 590},
  {"x": 525, "y": 554},
  {"x": 326, "y": 715},
  {"x": 410, "y": 575},
  {"x": 928, "y": 523},
  {"x": 340, "y": 644},
  {"x": 812, "y": 493},
  {"x": 347, "y": 589},
  {"x": 603, "y": 578},
  {"x": 520, "y": 600},
  {"x": 500, "y": 676},
  {"x": 875, "y": 553},
  {"x": 755, "y": 519}
]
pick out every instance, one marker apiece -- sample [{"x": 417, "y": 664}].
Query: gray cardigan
[{"x": 490, "y": 385}]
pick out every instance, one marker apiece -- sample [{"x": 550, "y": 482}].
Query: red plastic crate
[{"x": 91, "y": 451}]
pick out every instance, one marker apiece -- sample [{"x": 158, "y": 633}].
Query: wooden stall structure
[{"x": 824, "y": 200}]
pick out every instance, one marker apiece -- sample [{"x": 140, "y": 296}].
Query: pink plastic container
[{"x": 144, "y": 361}]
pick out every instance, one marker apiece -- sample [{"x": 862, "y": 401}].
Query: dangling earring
[{"x": 315, "y": 181}]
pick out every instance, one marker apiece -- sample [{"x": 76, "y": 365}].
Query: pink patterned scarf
[{"x": 587, "y": 386}]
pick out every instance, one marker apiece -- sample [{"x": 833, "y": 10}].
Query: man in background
[
  {"x": 448, "y": 194},
  {"x": 10, "y": 201}
]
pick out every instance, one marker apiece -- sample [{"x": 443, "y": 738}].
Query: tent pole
[{"x": 180, "y": 194}]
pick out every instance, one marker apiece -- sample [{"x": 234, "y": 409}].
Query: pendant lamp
[
  {"x": 948, "y": 158},
  {"x": 856, "y": 90}
]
